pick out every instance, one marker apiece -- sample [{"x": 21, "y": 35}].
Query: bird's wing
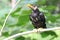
[{"x": 42, "y": 18}]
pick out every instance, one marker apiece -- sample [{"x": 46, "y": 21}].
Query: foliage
[{"x": 18, "y": 20}]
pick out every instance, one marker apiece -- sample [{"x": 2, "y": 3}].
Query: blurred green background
[{"x": 19, "y": 22}]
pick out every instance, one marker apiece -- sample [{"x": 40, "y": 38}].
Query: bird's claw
[{"x": 35, "y": 30}]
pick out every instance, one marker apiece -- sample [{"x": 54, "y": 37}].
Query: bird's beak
[{"x": 30, "y": 6}]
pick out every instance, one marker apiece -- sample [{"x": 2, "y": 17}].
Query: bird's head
[{"x": 32, "y": 6}]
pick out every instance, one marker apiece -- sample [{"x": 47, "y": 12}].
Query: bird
[
  {"x": 37, "y": 17},
  {"x": 39, "y": 22}
]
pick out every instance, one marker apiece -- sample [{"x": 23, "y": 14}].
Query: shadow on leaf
[{"x": 47, "y": 33}]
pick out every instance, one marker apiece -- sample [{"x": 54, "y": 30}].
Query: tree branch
[
  {"x": 7, "y": 17},
  {"x": 28, "y": 32}
]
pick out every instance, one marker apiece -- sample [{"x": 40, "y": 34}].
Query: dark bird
[
  {"x": 37, "y": 17},
  {"x": 38, "y": 21}
]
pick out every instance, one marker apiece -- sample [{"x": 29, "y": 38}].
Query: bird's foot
[
  {"x": 35, "y": 30},
  {"x": 39, "y": 29}
]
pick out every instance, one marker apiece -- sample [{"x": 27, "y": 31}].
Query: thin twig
[
  {"x": 7, "y": 17},
  {"x": 28, "y": 32}
]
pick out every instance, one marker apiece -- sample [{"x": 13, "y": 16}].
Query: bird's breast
[{"x": 34, "y": 15}]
